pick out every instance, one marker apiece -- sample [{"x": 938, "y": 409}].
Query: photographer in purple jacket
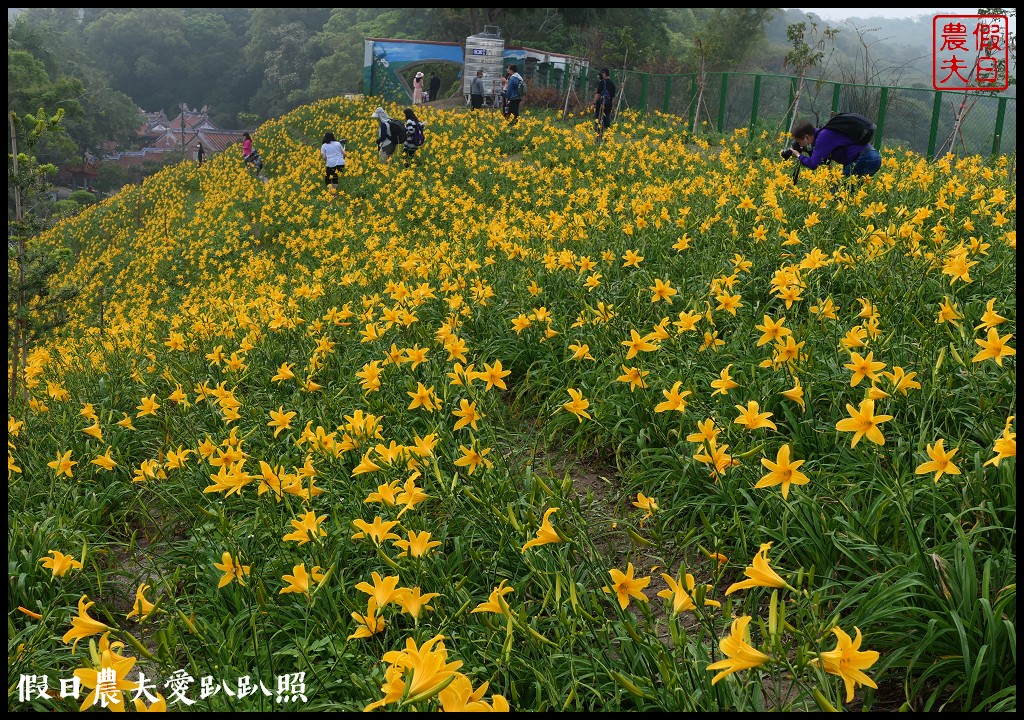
[{"x": 815, "y": 146}]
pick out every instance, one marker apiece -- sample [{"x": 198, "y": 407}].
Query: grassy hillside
[{"x": 532, "y": 423}]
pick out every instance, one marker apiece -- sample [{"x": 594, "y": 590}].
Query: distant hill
[{"x": 898, "y": 51}]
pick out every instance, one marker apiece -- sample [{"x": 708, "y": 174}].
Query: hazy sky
[{"x": 839, "y": 14}]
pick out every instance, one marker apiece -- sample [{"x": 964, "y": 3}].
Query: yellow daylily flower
[
  {"x": 60, "y": 564},
  {"x": 863, "y": 423},
  {"x": 301, "y": 580},
  {"x": 782, "y": 472},
  {"x": 83, "y": 626},
  {"x": 739, "y": 654},
  {"x": 940, "y": 462},
  {"x": 546, "y": 534},
  {"x": 142, "y": 607},
  {"x": 307, "y": 527},
  {"x": 682, "y": 595},
  {"x": 759, "y": 574},
  {"x": 231, "y": 569},
  {"x": 625, "y": 586},
  {"x": 849, "y": 662},
  {"x": 578, "y": 405}
]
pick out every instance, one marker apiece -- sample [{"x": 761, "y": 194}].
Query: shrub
[
  {"x": 83, "y": 197},
  {"x": 547, "y": 98}
]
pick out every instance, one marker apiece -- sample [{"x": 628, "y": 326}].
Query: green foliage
[
  {"x": 247, "y": 119},
  {"x": 721, "y": 38},
  {"x": 112, "y": 176},
  {"x": 47, "y": 67},
  {"x": 66, "y": 207},
  {"x": 808, "y": 46},
  {"x": 83, "y": 197},
  {"x": 33, "y": 307},
  {"x": 970, "y": 638},
  {"x": 497, "y": 225}
]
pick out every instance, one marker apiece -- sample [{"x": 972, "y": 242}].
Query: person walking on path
[
  {"x": 200, "y": 153},
  {"x": 476, "y": 91},
  {"x": 250, "y": 156},
  {"x": 417, "y": 89},
  {"x": 333, "y": 153},
  {"x": 385, "y": 145}
]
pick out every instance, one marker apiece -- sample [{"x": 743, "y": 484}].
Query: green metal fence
[{"x": 918, "y": 119}]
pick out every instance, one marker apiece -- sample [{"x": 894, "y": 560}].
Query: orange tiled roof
[{"x": 215, "y": 141}]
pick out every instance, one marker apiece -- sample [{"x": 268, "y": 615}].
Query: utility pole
[{"x": 183, "y": 107}]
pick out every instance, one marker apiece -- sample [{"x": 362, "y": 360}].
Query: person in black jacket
[
  {"x": 513, "y": 94},
  {"x": 603, "y": 102},
  {"x": 200, "y": 153},
  {"x": 409, "y": 147},
  {"x": 435, "y": 87},
  {"x": 385, "y": 145}
]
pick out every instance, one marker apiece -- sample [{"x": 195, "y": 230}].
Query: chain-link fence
[{"x": 920, "y": 119}]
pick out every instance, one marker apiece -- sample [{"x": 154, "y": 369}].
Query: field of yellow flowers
[{"x": 531, "y": 423}]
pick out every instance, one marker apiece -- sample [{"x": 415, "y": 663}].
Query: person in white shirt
[{"x": 333, "y": 153}]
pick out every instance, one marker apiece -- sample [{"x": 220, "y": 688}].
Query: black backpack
[
  {"x": 396, "y": 131},
  {"x": 854, "y": 126}
]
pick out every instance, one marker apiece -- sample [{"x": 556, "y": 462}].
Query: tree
[
  {"x": 83, "y": 198},
  {"x": 145, "y": 52},
  {"x": 29, "y": 87},
  {"x": 33, "y": 307},
  {"x": 340, "y": 69},
  {"x": 216, "y": 71},
  {"x": 479, "y": 18},
  {"x": 862, "y": 58},
  {"x": 613, "y": 36},
  {"x": 284, "y": 50},
  {"x": 718, "y": 38},
  {"x": 112, "y": 177},
  {"x": 700, "y": 105},
  {"x": 47, "y": 67},
  {"x": 733, "y": 34},
  {"x": 804, "y": 56}
]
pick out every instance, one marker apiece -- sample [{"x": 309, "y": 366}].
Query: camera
[{"x": 794, "y": 149}]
